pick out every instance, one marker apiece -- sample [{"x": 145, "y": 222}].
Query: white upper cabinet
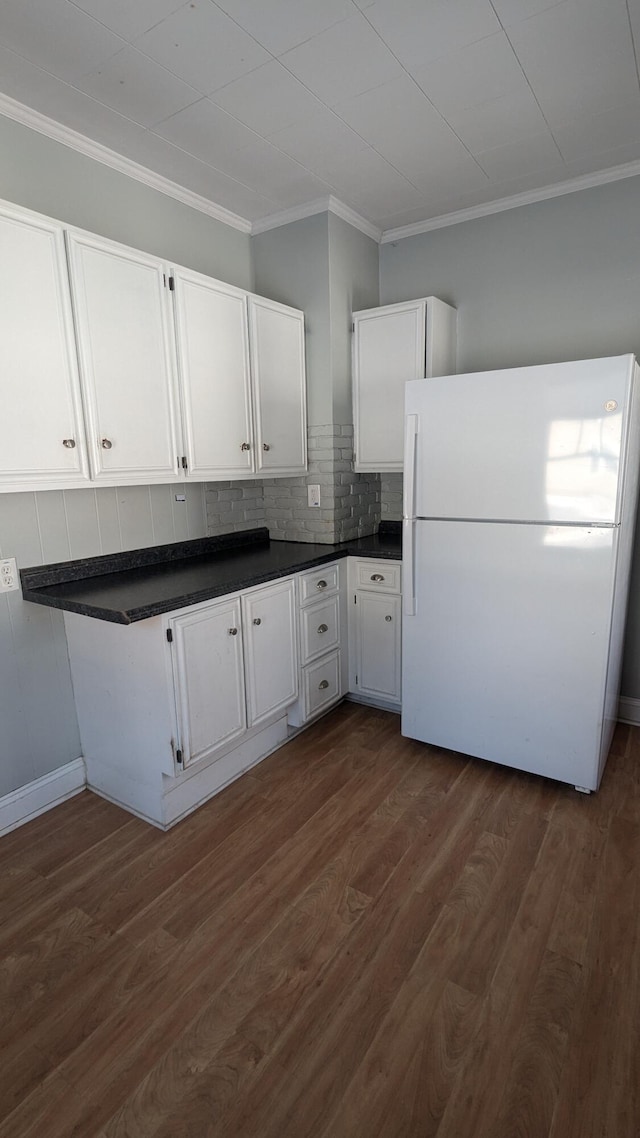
[
  {"x": 106, "y": 379},
  {"x": 277, "y": 357},
  {"x": 123, "y": 327},
  {"x": 414, "y": 340},
  {"x": 41, "y": 428},
  {"x": 213, "y": 355}
]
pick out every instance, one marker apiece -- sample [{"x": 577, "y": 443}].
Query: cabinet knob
[
  {"x": 377, "y": 577},
  {"x": 388, "y": 618},
  {"x": 257, "y": 620},
  {"x": 106, "y": 444},
  {"x": 323, "y": 628},
  {"x": 265, "y": 446},
  {"x": 233, "y": 632},
  {"x": 69, "y": 443},
  {"x": 321, "y": 585},
  {"x": 323, "y": 685},
  {"x": 245, "y": 446}
]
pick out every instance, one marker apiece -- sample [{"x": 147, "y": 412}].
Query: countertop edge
[{"x": 240, "y": 584}]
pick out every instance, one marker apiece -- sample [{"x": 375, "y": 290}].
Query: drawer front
[
  {"x": 321, "y": 683},
  {"x": 383, "y": 576},
  {"x": 319, "y": 629},
  {"x": 318, "y": 583}
]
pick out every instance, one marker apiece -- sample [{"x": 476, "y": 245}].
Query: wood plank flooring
[{"x": 364, "y": 937}]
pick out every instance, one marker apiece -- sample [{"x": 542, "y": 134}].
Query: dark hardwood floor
[{"x": 363, "y": 938}]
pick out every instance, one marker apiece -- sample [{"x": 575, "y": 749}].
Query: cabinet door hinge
[
  {"x": 355, "y": 598},
  {"x": 353, "y": 327},
  {"x": 356, "y": 681},
  {"x": 183, "y": 462},
  {"x": 170, "y": 635},
  {"x": 179, "y": 756},
  {"x": 172, "y": 284}
]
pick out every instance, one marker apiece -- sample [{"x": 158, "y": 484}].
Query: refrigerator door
[
  {"x": 506, "y": 654},
  {"x": 542, "y": 444}
]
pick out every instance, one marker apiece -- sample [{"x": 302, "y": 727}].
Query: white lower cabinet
[
  {"x": 322, "y": 632},
  {"x": 209, "y": 679},
  {"x": 271, "y": 659},
  {"x": 375, "y": 632},
  {"x": 173, "y": 708}
]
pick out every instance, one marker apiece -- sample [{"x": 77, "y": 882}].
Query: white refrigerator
[{"x": 520, "y": 491}]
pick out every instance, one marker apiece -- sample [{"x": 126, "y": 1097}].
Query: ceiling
[{"x": 404, "y": 110}]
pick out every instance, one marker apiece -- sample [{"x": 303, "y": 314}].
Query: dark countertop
[{"x": 140, "y": 583}]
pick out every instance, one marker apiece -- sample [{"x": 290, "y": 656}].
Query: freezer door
[
  {"x": 539, "y": 444},
  {"x": 506, "y": 655}
]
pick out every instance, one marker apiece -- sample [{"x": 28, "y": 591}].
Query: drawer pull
[
  {"x": 388, "y": 618},
  {"x": 69, "y": 443},
  {"x": 257, "y": 620},
  {"x": 323, "y": 685},
  {"x": 321, "y": 584},
  {"x": 106, "y": 444},
  {"x": 233, "y": 632},
  {"x": 245, "y": 446},
  {"x": 377, "y": 577},
  {"x": 323, "y": 628}
]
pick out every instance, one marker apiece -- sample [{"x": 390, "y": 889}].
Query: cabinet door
[
  {"x": 270, "y": 646},
  {"x": 213, "y": 355},
  {"x": 388, "y": 349},
  {"x": 377, "y": 629},
  {"x": 277, "y": 361},
  {"x": 209, "y": 679},
  {"x": 123, "y": 323},
  {"x": 41, "y": 430}
]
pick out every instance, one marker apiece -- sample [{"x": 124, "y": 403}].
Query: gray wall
[
  {"x": 557, "y": 280},
  {"x": 38, "y": 727},
  {"x": 353, "y": 284},
  {"x": 326, "y": 267},
  {"x": 50, "y": 178}
]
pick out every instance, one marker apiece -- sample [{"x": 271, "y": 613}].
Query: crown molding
[
  {"x": 12, "y": 109},
  {"x": 327, "y": 204},
  {"x": 528, "y": 197}
]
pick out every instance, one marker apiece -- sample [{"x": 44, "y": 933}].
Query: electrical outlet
[
  {"x": 8, "y": 575},
  {"x": 313, "y": 495}
]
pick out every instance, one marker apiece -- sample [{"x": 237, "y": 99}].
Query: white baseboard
[
  {"x": 42, "y": 794},
  {"x": 629, "y": 710}
]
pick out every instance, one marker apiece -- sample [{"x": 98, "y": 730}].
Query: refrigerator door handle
[
  {"x": 408, "y": 572},
  {"x": 410, "y": 435}
]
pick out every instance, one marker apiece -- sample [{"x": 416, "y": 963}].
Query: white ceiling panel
[
  {"x": 266, "y": 170},
  {"x": 126, "y": 18},
  {"x": 498, "y": 122},
  {"x": 366, "y": 176},
  {"x": 206, "y": 131},
  {"x": 202, "y": 46},
  {"x": 282, "y": 24},
  {"x": 578, "y": 57},
  {"x": 474, "y": 74},
  {"x": 401, "y": 124},
  {"x": 418, "y": 31},
  {"x": 321, "y": 143},
  {"x": 268, "y": 99},
  {"x": 392, "y": 115},
  {"x": 136, "y": 87},
  {"x": 535, "y": 155},
  {"x": 344, "y": 61},
  {"x": 55, "y": 35},
  {"x": 512, "y": 11},
  {"x": 595, "y": 134},
  {"x": 404, "y": 109}
]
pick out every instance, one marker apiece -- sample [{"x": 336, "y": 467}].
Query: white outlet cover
[{"x": 9, "y": 579}]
